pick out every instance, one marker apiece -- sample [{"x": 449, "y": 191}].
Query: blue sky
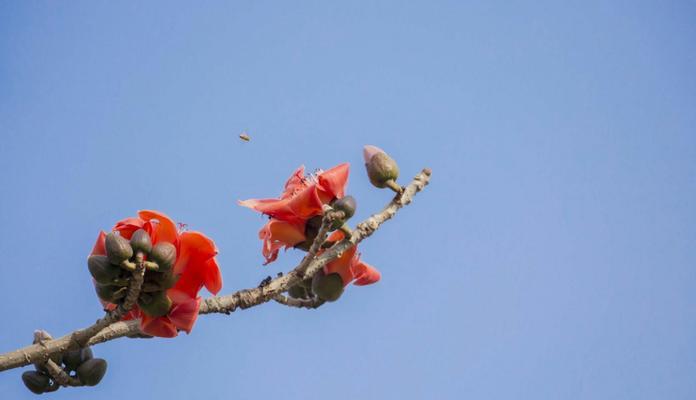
[{"x": 551, "y": 257}]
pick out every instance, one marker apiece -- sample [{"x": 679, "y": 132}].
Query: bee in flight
[{"x": 244, "y": 136}]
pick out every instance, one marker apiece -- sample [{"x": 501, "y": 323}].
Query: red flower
[
  {"x": 350, "y": 267},
  {"x": 302, "y": 199},
  {"x": 195, "y": 265}
]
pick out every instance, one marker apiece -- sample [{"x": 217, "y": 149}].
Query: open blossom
[
  {"x": 195, "y": 267},
  {"x": 350, "y": 267},
  {"x": 303, "y": 198}
]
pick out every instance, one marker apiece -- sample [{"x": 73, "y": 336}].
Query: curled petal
[
  {"x": 334, "y": 180},
  {"x": 277, "y": 234},
  {"x": 212, "y": 278},
  {"x": 159, "y": 326},
  {"x": 295, "y": 183},
  {"x": 342, "y": 266},
  {"x": 195, "y": 251},
  {"x": 99, "y": 248},
  {"x": 164, "y": 231},
  {"x": 365, "y": 274},
  {"x": 127, "y": 226}
]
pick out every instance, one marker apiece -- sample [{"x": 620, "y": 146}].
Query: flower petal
[
  {"x": 369, "y": 151},
  {"x": 160, "y": 326},
  {"x": 212, "y": 278},
  {"x": 184, "y": 315},
  {"x": 195, "y": 250},
  {"x": 296, "y": 182},
  {"x": 342, "y": 266},
  {"x": 334, "y": 180},
  {"x": 277, "y": 234},
  {"x": 365, "y": 274},
  {"x": 99, "y": 248},
  {"x": 127, "y": 226},
  {"x": 165, "y": 231}
]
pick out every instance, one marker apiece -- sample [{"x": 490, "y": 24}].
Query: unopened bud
[
  {"x": 140, "y": 241},
  {"x": 37, "y": 382},
  {"x": 164, "y": 254},
  {"x": 327, "y": 287},
  {"x": 381, "y": 169},
  {"x": 346, "y": 204},
  {"x": 102, "y": 270},
  {"x": 298, "y": 292},
  {"x": 91, "y": 371},
  {"x": 118, "y": 249}
]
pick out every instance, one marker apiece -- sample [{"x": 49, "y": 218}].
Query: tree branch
[{"x": 107, "y": 329}]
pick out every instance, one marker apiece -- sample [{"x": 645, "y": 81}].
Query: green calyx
[
  {"x": 327, "y": 287},
  {"x": 141, "y": 242},
  {"x": 346, "y": 204},
  {"x": 102, "y": 270},
  {"x": 311, "y": 230},
  {"x": 36, "y": 381},
  {"x": 164, "y": 254},
  {"x": 110, "y": 293},
  {"x": 118, "y": 249},
  {"x": 91, "y": 371},
  {"x": 155, "y": 304},
  {"x": 381, "y": 169},
  {"x": 298, "y": 292}
]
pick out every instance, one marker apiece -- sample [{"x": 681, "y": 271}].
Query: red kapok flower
[
  {"x": 195, "y": 266},
  {"x": 302, "y": 199},
  {"x": 350, "y": 267}
]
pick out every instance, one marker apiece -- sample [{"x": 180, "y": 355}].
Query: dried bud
[
  {"x": 102, "y": 270},
  {"x": 91, "y": 371},
  {"x": 381, "y": 169},
  {"x": 327, "y": 287},
  {"x": 164, "y": 254},
  {"x": 74, "y": 358},
  {"x": 157, "y": 305},
  {"x": 37, "y": 382},
  {"x": 118, "y": 249},
  {"x": 140, "y": 241}
]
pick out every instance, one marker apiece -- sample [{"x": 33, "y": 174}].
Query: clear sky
[{"x": 552, "y": 257}]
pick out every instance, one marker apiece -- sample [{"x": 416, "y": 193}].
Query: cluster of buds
[
  {"x": 113, "y": 272},
  {"x": 78, "y": 366}
]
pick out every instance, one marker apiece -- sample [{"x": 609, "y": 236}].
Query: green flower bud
[
  {"x": 157, "y": 306},
  {"x": 140, "y": 241},
  {"x": 346, "y": 204},
  {"x": 381, "y": 169},
  {"x": 74, "y": 358},
  {"x": 118, "y": 249},
  {"x": 298, "y": 292},
  {"x": 109, "y": 293},
  {"x": 327, "y": 287},
  {"x": 164, "y": 254},
  {"x": 37, "y": 382},
  {"x": 102, "y": 270},
  {"x": 91, "y": 371}
]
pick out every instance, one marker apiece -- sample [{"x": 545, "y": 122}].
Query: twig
[
  {"x": 242, "y": 299},
  {"x": 299, "y": 303}
]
